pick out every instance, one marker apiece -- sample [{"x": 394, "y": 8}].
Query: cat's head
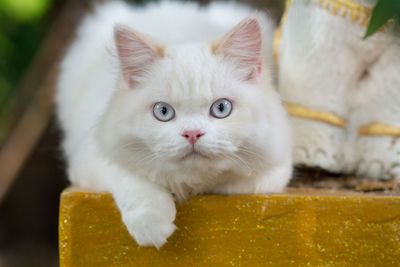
[{"x": 193, "y": 106}]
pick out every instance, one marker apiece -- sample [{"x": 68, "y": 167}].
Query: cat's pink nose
[{"x": 192, "y": 136}]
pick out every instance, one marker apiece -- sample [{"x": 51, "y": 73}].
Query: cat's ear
[
  {"x": 243, "y": 45},
  {"x": 136, "y": 53}
]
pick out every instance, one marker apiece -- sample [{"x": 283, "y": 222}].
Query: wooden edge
[
  {"x": 288, "y": 192},
  {"x": 214, "y": 230}
]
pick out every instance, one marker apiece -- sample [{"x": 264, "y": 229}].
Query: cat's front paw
[{"x": 149, "y": 227}]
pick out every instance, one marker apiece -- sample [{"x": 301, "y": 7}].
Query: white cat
[
  {"x": 343, "y": 90},
  {"x": 193, "y": 112}
]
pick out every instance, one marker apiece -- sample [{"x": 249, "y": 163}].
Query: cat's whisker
[
  {"x": 218, "y": 148},
  {"x": 250, "y": 153},
  {"x": 149, "y": 158},
  {"x": 240, "y": 161}
]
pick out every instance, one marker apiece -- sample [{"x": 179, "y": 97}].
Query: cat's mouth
[{"x": 194, "y": 154}]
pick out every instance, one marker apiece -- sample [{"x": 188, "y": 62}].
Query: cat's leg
[
  {"x": 316, "y": 68},
  {"x": 147, "y": 210},
  {"x": 374, "y": 121}
]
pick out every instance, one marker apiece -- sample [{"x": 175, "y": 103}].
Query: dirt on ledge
[{"x": 314, "y": 178}]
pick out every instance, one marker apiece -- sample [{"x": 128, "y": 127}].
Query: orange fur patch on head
[
  {"x": 136, "y": 52},
  {"x": 243, "y": 45}
]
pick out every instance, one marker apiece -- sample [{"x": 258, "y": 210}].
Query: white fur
[
  {"x": 322, "y": 58},
  {"x": 113, "y": 143}
]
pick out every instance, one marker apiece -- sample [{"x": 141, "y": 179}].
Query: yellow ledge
[{"x": 304, "y": 230}]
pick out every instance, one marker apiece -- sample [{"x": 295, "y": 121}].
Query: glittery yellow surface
[{"x": 278, "y": 230}]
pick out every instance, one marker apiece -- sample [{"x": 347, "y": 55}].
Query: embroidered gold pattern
[
  {"x": 343, "y": 8},
  {"x": 356, "y": 12},
  {"x": 307, "y": 113},
  {"x": 378, "y": 129}
]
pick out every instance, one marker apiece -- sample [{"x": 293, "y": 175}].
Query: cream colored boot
[
  {"x": 374, "y": 120},
  {"x": 335, "y": 84}
]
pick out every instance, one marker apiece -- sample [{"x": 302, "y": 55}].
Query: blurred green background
[{"x": 22, "y": 26}]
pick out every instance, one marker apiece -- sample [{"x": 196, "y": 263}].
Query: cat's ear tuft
[
  {"x": 243, "y": 45},
  {"x": 136, "y": 53}
]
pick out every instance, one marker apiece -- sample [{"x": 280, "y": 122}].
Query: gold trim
[
  {"x": 307, "y": 113},
  {"x": 347, "y": 8},
  {"x": 278, "y": 32},
  {"x": 277, "y": 44},
  {"x": 378, "y": 128}
]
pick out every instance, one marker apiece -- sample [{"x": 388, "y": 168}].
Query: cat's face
[
  {"x": 191, "y": 108},
  {"x": 191, "y": 111}
]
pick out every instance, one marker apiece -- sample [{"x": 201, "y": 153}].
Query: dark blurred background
[{"x": 33, "y": 37}]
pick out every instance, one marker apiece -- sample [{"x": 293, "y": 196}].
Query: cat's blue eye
[
  {"x": 163, "y": 111},
  {"x": 221, "y": 108}
]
